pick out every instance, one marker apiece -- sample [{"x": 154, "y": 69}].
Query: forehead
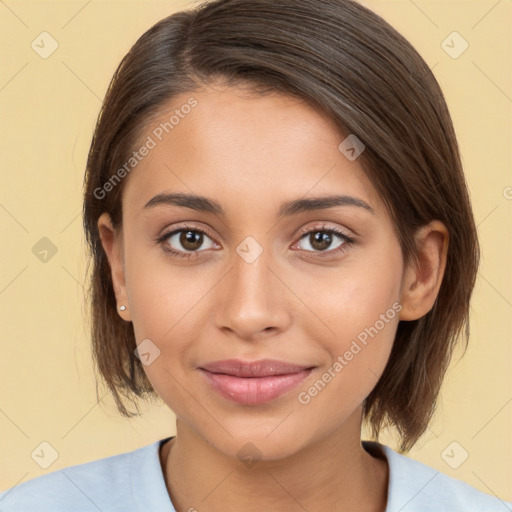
[{"x": 234, "y": 144}]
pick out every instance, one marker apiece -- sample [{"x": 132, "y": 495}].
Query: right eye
[{"x": 185, "y": 242}]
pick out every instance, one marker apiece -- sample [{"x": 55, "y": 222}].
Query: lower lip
[{"x": 254, "y": 390}]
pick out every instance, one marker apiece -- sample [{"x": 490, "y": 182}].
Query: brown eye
[
  {"x": 186, "y": 242},
  {"x": 320, "y": 240},
  {"x": 191, "y": 240}
]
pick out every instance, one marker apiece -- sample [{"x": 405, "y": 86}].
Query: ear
[
  {"x": 421, "y": 283},
  {"x": 113, "y": 247}
]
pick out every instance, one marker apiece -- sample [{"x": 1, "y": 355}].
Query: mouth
[{"x": 253, "y": 382}]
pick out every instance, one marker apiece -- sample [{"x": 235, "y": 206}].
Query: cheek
[
  {"x": 357, "y": 353},
  {"x": 167, "y": 306},
  {"x": 163, "y": 296},
  {"x": 165, "y": 310},
  {"x": 359, "y": 313},
  {"x": 351, "y": 299}
]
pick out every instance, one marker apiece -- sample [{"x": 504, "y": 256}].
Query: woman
[{"x": 283, "y": 247}]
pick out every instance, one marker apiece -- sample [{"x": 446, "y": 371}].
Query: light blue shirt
[{"x": 134, "y": 482}]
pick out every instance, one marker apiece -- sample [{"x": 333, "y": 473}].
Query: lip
[{"x": 253, "y": 382}]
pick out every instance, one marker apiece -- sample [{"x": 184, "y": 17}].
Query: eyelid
[
  {"x": 303, "y": 231},
  {"x": 323, "y": 226},
  {"x": 186, "y": 227}
]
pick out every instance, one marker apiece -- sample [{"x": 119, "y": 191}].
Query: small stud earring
[{"x": 122, "y": 308}]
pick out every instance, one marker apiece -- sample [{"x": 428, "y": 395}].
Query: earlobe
[
  {"x": 112, "y": 245},
  {"x": 422, "y": 282}
]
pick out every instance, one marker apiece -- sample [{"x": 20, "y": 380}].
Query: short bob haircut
[{"x": 350, "y": 64}]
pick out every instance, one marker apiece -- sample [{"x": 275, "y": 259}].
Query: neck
[{"x": 334, "y": 473}]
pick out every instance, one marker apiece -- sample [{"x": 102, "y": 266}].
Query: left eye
[{"x": 320, "y": 240}]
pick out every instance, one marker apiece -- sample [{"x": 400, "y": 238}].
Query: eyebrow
[{"x": 203, "y": 204}]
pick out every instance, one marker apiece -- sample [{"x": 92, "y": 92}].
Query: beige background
[{"x": 48, "y": 109}]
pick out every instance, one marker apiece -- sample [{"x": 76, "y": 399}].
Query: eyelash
[{"x": 348, "y": 241}]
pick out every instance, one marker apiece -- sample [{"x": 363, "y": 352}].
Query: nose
[{"x": 251, "y": 301}]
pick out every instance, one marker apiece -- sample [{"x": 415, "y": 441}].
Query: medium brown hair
[{"x": 352, "y": 65}]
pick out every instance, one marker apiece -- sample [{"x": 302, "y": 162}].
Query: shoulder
[
  {"x": 416, "y": 487},
  {"x": 106, "y": 484}
]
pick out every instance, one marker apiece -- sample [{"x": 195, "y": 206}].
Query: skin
[{"x": 295, "y": 302}]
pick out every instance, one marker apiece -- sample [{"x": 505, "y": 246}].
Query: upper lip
[{"x": 259, "y": 368}]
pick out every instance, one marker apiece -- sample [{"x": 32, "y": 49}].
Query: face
[{"x": 243, "y": 277}]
